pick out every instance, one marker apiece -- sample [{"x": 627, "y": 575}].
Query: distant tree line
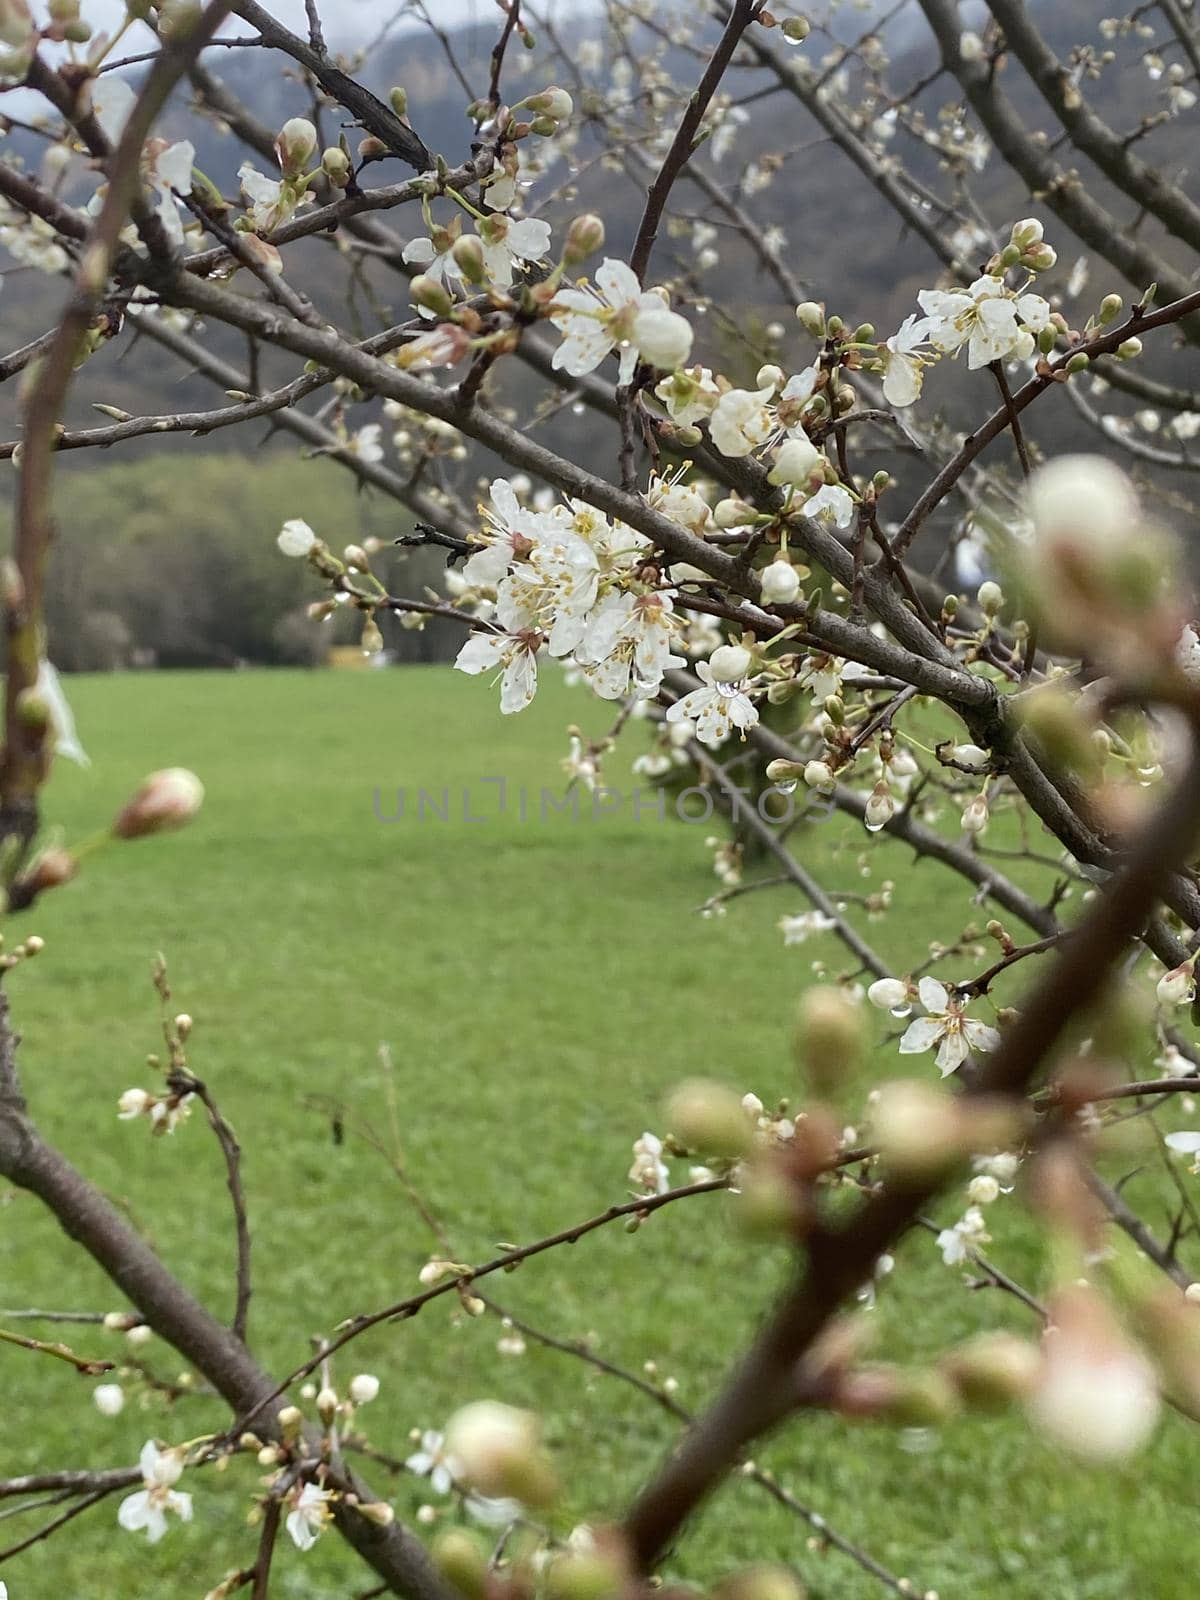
[{"x": 157, "y": 564}]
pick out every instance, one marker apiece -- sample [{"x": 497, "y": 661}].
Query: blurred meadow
[{"x": 498, "y": 962}]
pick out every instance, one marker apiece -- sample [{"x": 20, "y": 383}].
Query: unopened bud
[
  {"x": 166, "y": 800},
  {"x": 431, "y": 294},
  {"x": 583, "y": 238},
  {"x": 593, "y": 1574},
  {"x": 291, "y": 1420},
  {"x": 52, "y": 868},
  {"x": 795, "y": 462},
  {"x": 1027, "y": 232},
  {"x": 398, "y": 99},
  {"x": 336, "y": 165},
  {"x": 763, "y": 1582},
  {"x": 708, "y": 1118},
  {"x": 730, "y": 663},
  {"x": 462, "y": 1560},
  {"x": 829, "y": 1034},
  {"x": 294, "y": 144},
  {"x": 499, "y": 1450},
  {"x": 918, "y": 1130},
  {"x": 780, "y": 583},
  {"x": 732, "y": 513},
  {"x": 993, "y": 1370},
  {"x": 811, "y": 318},
  {"x": 554, "y": 103},
  {"x": 467, "y": 252},
  {"x": 377, "y": 1511},
  {"x": 1110, "y": 308},
  {"x": 767, "y": 1204},
  {"x": 1040, "y": 258}
]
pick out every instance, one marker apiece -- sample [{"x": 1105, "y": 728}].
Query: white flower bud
[
  {"x": 1082, "y": 500},
  {"x": 732, "y": 513},
  {"x": 663, "y": 338},
  {"x": 730, "y": 663},
  {"x": 975, "y": 816},
  {"x": 708, "y": 1117},
  {"x": 296, "y": 538},
  {"x": 109, "y": 1399},
  {"x": 497, "y": 1447},
  {"x": 971, "y": 756},
  {"x": 881, "y": 808},
  {"x": 295, "y": 143},
  {"x": 795, "y": 462},
  {"x": 819, "y": 775},
  {"x": 780, "y": 583},
  {"x": 917, "y": 1128},
  {"x": 1177, "y": 987},
  {"x": 981, "y": 1191},
  {"x": 554, "y": 103},
  {"x": 811, "y": 318},
  {"x": 990, "y": 597},
  {"x": 769, "y": 377},
  {"x": 132, "y": 1104},
  {"x": 889, "y": 994},
  {"x": 1098, "y": 1395},
  {"x": 364, "y": 1387}
]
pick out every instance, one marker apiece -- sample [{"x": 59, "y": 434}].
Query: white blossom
[
  {"x": 796, "y": 929},
  {"x": 64, "y": 740},
  {"x": 508, "y": 245},
  {"x": 432, "y": 1461},
  {"x": 434, "y": 257},
  {"x": 308, "y": 1515},
  {"x": 831, "y": 503},
  {"x": 1185, "y": 1144},
  {"x": 742, "y": 419},
  {"x": 1178, "y": 987},
  {"x": 715, "y": 708},
  {"x": 947, "y": 1026},
  {"x": 147, "y": 1508},
  {"x": 514, "y": 656},
  {"x": 615, "y": 315},
  {"x": 956, "y": 1243},
  {"x": 981, "y": 317},
  {"x": 649, "y": 1170},
  {"x": 903, "y": 364},
  {"x": 628, "y": 643},
  {"x": 272, "y": 200}
]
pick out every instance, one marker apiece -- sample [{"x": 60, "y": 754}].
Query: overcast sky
[{"x": 344, "y": 20}]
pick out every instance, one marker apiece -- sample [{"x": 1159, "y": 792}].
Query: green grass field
[{"x": 539, "y": 986}]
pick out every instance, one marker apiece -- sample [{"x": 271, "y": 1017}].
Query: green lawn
[{"x": 539, "y": 984}]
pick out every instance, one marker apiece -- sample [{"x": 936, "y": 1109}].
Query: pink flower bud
[{"x": 166, "y": 800}]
